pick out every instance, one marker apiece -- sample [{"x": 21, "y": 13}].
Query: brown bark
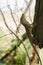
[{"x": 33, "y": 41}]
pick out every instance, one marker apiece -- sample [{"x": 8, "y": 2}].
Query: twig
[
  {"x": 5, "y": 35},
  {"x": 14, "y": 19},
  {"x": 16, "y": 36},
  {"x": 27, "y": 7},
  {"x": 29, "y": 34},
  {"x": 12, "y": 14},
  {"x": 14, "y": 48}
]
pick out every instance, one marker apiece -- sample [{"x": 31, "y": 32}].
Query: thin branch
[
  {"x": 5, "y": 35},
  {"x": 17, "y": 30},
  {"x": 14, "y": 19},
  {"x": 28, "y": 28},
  {"x": 12, "y": 14},
  {"x": 30, "y": 16},
  {"x": 16, "y": 37},
  {"x": 26, "y": 1},
  {"x": 27, "y": 7},
  {"x": 14, "y": 48}
]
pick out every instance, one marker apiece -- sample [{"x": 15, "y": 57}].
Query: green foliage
[
  {"x": 12, "y": 40},
  {"x": 20, "y": 55},
  {"x": 27, "y": 44},
  {"x": 15, "y": 42},
  {"x": 20, "y": 58},
  {"x": 2, "y": 63},
  {"x": 3, "y": 38}
]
